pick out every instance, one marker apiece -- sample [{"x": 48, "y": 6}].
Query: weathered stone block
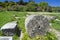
[{"x": 10, "y": 29}]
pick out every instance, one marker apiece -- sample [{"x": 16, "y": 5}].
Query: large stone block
[{"x": 10, "y": 28}]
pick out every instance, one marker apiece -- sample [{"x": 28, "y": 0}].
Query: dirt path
[
  {"x": 57, "y": 33},
  {"x": 21, "y": 36},
  {"x": 41, "y": 13}
]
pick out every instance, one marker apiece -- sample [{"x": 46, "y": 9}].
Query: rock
[
  {"x": 17, "y": 17},
  {"x": 6, "y": 37},
  {"x": 57, "y": 20},
  {"x": 50, "y": 17},
  {"x": 36, "y": 25},
  {"x": 14, "y": 15},
  {"x": 10, "y": 28}
]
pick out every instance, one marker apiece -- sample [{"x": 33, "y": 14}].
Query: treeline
[{"x": 27, "y": 6}]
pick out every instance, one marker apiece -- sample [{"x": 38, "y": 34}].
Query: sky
[{"x": 50, "y": 2}]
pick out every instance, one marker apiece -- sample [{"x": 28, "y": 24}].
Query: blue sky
[{"x": 50, "y": 2}]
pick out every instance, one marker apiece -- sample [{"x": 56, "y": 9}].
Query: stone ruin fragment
[{"x": 36, "y": 25}]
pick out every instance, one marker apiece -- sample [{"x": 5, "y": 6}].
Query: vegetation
[
  {"x": 8, "y": 16},
  {"x": 8, "y": 13},
  {"x": 55, "y": 23},
  {"x": 15, "y": 37},
  {"x": 1, "y": 33},
  {"x": 48, "y": 36},
  {"x": 27, "y": 6}
]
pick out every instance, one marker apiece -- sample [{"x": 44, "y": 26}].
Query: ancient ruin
[
  {"x": 36, "y": 25},
  {"x": 6, "y": 38},
  {"x": 10, "y": 28}
]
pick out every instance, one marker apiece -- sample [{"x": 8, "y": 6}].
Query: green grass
[
  {"x": 48, "y": 36},
  {"x": 55, "y": 24},
  {"x": 7, "y": 16}
]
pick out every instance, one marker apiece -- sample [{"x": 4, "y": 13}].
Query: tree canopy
[{"x": 27, "y": 6}]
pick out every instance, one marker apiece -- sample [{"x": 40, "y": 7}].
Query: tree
[
  {"x": 12, "y": 3},
  {"x": 0, "y": 3},
  {"x": 31, "y": 6},
  {"x": 31, "y": 1},
  {"x": 6, "y": 1},
  {"x": 21, "y": 2},
  {"x": 43, "y": 5}
]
